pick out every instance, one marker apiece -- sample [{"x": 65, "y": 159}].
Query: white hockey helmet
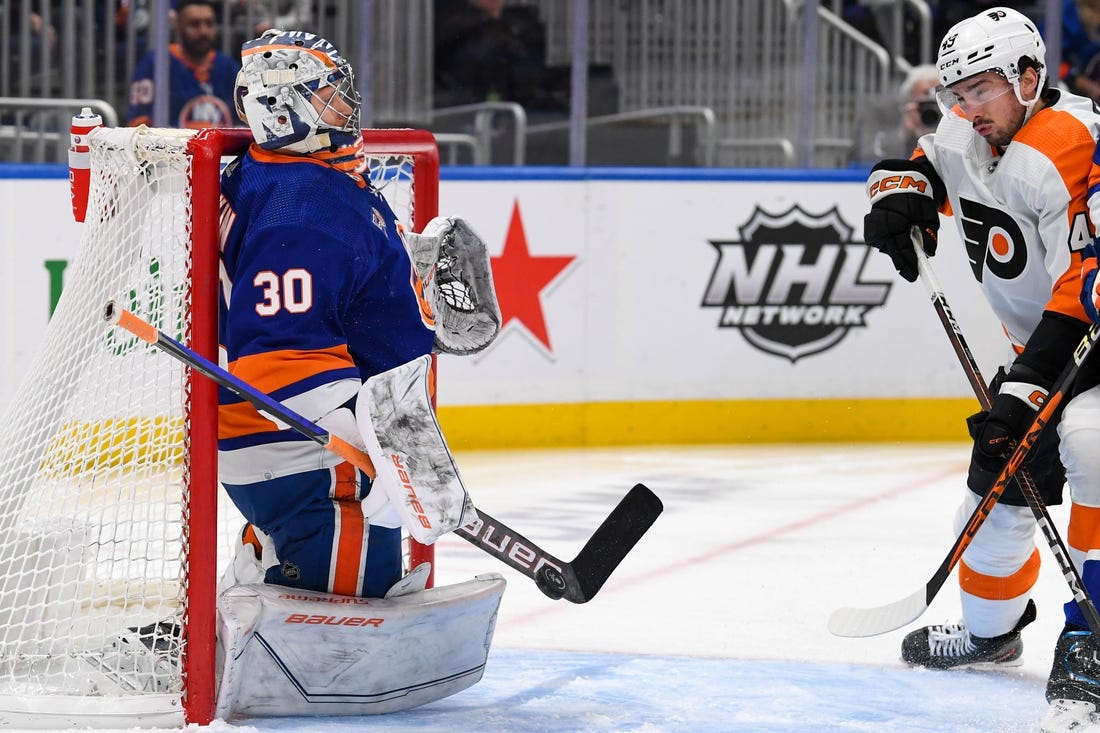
[
  {"x": 277, "y": 93},
  {"x": 993, "y": 40}
]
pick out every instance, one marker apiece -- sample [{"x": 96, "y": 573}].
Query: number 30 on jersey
[{"x": 292, "y": 291}]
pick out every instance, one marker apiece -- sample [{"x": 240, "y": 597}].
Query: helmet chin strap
[
  {"x": 1030, "y": 107},
  {"x": 311, "y": 144}
]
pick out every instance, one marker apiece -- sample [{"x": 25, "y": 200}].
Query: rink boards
[{"x": 640, "y": 306}]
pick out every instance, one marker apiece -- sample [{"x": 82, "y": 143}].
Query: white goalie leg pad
[
  {"x": 414, "y": 466},
  {"x": 454, "y": 265},
  {"x": 295, "y": 652}
]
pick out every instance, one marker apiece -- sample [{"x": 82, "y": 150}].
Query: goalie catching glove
[
  {"x": 904, "y": 194},
  {"x": 454, "y": 266}
]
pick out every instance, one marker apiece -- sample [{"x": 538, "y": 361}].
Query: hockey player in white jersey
[{"x": 1010, "y": 160}]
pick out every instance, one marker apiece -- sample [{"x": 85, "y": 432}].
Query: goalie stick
[
  {"x": 861, "y": 622},
  {"x": 577, "y": 581}
]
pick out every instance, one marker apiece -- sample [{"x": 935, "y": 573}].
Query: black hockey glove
[
  {"x": 903, "y": 193},
  {"x": 997, "y": 431}
]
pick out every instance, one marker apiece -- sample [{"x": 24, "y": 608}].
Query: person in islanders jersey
[
  {"x": 1010, "y": 160},
  {"x": 331, "y": 308},
  {"x": 321, "y": 290},
  {"x": 318, "y": 293}
]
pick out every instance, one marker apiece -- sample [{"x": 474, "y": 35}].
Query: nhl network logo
[{"x": 792, "y": 283}]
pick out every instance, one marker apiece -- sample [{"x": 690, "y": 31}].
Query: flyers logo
[
  {"x": 996, "y": 14},
  {"x": 793, "y": 283},
  {"x": 993, "y": 241}
]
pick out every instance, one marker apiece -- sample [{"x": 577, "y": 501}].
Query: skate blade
[{"x": 1070, "y": 716}]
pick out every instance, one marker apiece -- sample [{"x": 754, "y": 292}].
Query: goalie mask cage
[{"x": 110, "y": 513}]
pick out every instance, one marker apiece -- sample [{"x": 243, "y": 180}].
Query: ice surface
[{"x": 716, "y": 621}]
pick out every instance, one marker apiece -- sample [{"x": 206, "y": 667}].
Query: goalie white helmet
[
  {"x": 993, "y": 40},
  {"x": 297, "y": 93}
]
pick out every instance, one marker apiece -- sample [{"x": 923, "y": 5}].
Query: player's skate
[
  {"x": 1073, "y": 688},
  {"x": 951, "y": 646},
  {"x": 142, "y": 659}
]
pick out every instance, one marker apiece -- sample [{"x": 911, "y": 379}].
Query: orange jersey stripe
[
  {"x": 267, "y": 156},
  {"x": 273, "y": 370},
  {"x": 242, "y": 419},
  {"x": 1084, "y": 527},
  {"x": 1062, "y": 143},
  {"x": 1066, "y": 296},
  {"x": 995, "y": 588},
  {"x": 350, "y": 535}
]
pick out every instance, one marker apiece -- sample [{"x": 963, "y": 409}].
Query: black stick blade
[{"x": 618, "y": 534}]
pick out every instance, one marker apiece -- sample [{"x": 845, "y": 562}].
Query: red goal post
[{"x": 110, "y": 512}]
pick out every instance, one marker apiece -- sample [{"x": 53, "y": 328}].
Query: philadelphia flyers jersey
[
  {"x": 317, "y": 294},
  {"x": 1022, "y": 215}
]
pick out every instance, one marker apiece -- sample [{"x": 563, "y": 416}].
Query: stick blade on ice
[
  {"x": 861, "y": 622},
  {"x": 610, "y": 544}
]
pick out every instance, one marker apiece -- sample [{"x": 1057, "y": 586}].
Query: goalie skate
[{"x": 143, "y": 659}]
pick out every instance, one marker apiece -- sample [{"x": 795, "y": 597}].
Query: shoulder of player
[
  {"x": 330, "y": 204},
  {"x": 1064, "y": 131},
  {"x": 305, "y": 171}
]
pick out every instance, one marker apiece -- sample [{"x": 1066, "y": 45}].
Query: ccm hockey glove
[
  {"x": 996, "y": 431},
  {"x": 1090, "y": 296},
  {"x": 903, "y": 193}
]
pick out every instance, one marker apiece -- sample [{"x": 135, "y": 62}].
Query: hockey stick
[
  {"x": 1023, "y": 476},
  {"x": 860, "y": 622},
  {"x": 577, "y": 581}
]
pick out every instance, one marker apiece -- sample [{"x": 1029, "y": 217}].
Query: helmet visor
[{"x": 971, "y": 94}]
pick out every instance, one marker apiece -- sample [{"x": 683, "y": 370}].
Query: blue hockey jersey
[
  {"x": 318, "y": 293},
  {"x": 199, "y": 96}
]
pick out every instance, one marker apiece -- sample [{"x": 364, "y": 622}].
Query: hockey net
[{"x": 110, "y": 514}]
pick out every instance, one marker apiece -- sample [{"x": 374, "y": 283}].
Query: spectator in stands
[
  {"x": 201, "y": 79},
  {"x": 1080, "y": 67},
  {"x": 487, "y": 52},
  {"x": 920, "y": 112},
  {"x": 892, "y": 131},
  {"x": 39, "y": 36}
]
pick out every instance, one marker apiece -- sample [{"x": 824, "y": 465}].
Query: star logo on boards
[{"x": 521, "y": 278}]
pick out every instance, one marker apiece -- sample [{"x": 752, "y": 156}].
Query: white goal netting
[{"x": 95, "y": 479}]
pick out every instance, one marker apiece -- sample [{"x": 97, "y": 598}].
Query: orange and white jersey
[{"x": 1023, "y": 214}]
